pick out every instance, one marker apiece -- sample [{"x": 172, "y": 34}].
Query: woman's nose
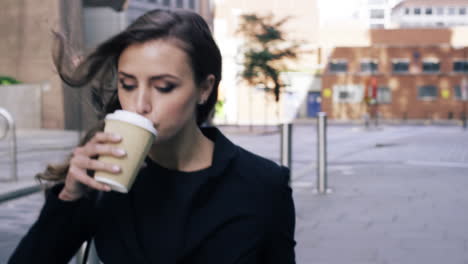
[{"x": 143, "y": 104}]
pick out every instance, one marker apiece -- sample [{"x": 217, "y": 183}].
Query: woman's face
[{"x": 155, "y": 79}]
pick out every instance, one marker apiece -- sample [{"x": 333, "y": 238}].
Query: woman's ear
[{"x": 206, "y": 87}]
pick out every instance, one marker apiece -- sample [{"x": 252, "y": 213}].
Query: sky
[{"x": 333, "y": 10}]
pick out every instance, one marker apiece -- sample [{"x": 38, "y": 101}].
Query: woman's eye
[
  {"x": 126, "y": 86},
  {"x": 165, "y": 89}
]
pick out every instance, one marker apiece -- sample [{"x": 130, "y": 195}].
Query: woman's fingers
[
  {"x": 90, "y": 150},
  {"x": 105, "y": 137},
  {"x": 86, "y": 163},
  {"x": 83, "y": 178},
  {"x": 100, "y": 144}
]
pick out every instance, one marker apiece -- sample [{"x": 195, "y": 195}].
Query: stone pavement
[{"x": 398, "y": 195}]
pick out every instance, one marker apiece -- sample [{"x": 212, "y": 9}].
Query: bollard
[
  {"x": 366, "y": 120},
  {"x": 13, "y": 152},
  {"x": 322, "y": 153},
  {"x": 286, "y": 140},
  {"x": 464, "y": 120},
  {"x": 464, "y": 123}
]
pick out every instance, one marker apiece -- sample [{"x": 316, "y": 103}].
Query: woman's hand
[{"x": 82, "y": 160}]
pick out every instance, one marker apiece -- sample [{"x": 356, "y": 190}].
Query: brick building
[{"x": 417, "y": 74}]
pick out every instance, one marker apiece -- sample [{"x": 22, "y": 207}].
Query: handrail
[{"x": 11, "y": 127}]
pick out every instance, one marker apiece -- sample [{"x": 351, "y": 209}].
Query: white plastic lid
[{"x": 132, "y": 118}]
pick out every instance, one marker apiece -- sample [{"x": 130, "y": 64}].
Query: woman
[{"x": 200, "y": 198}]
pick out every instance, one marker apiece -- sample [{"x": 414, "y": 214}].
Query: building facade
[
  {"x": 407, "y": 74},
  {"x": 430, "y": 14},
  {"x": 376, "y": 14},
  {"x": 26, "y": 47},
  {"x": 137, "y": 8},
  {"x": 25, "y": 52}
]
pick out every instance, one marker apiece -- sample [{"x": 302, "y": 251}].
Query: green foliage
[
  {"x": 219, "y": 107},
  {"x": 265, "y": 51},
  {"x": 5, "y": 80}
]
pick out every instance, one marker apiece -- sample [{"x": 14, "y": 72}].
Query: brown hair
[{"x": 98, "y": 70}]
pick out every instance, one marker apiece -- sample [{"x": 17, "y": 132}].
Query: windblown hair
[{"x": 185, "y": 29}]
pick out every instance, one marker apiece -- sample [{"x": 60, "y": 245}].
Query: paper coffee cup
[{"x": 138, "y": 135}]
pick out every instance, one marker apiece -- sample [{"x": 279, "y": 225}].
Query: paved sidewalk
[{"x": 399, "y": 195}]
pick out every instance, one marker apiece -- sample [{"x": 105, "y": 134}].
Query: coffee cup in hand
[{"x": 138, "y": 135}]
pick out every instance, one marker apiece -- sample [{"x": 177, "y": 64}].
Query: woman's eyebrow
[
  {"x": 162, "y": 76},
  {"x": 127, "y": 75},
  {"x": 152, "y": 78}
]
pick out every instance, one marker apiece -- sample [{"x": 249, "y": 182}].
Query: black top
[{"x": 239, "y": 210}]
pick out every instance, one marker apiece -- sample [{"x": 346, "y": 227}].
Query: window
[
  {"x": 400, "y": 66},
  {"x": 167, "y": 2},
  {"x": 348, "y": 93},
  {"x": 180, "y": 3},
  {"x": 458, "y": 93},
  {"x": 427, "y": 92},
  {"x": 407, "y": 11},
  {"x": 431, "y": 66},
  {"x": 344, "y": 95},
  {"x": 428, "y": 11},
  {"x": 369, "y": 66},
  {"x": 462, "y": 11},
  {"x": 377, "y": 13},
  {"x": 460, "y": 66},
  {"x": 377, "y": 2},
  {"x": 451, "y": 11},
  {"x": 440, "y": 11},
  {"x": 192, "y": 4},
  {"x": 377, "y": 26},
  {"x": 417, "y": 11},
  {"x": 338, "y": 66},
  {"x": 384, "y": 95}
]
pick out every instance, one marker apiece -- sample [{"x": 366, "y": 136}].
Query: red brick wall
[{"x": 404, "y": 87}]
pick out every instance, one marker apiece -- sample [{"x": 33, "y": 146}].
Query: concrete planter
[{"x": 24, "y": 102}]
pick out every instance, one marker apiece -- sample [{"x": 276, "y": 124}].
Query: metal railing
[{"x": 10, "y": 127}]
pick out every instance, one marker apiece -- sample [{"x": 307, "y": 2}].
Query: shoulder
[{"x": 255, "y": 168}]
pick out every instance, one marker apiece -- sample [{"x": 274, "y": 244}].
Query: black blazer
[{"x": 244, "y": 213}]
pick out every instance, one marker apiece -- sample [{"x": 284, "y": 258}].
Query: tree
[{"x": 265, "y": 51}]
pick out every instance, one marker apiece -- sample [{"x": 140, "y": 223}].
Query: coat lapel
[
  {"x": 203, "y": 220},
  {"x": 122, "y": 213}
]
